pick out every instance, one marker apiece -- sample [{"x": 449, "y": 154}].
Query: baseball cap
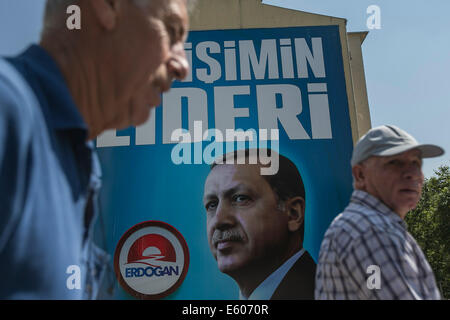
[{"x": 388, "y": 140}]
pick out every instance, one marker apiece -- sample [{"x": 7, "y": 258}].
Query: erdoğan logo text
[
  {"x": 149, "y": 250},
  {"x": 151, "y": 260}
]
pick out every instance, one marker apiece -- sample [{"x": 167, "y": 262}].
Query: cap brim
[
  {"x": 430, "y": 150},
  {"x": 427, "y": 150}
]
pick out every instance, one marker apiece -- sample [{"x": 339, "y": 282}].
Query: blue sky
[{"x": 407, "y": 61}]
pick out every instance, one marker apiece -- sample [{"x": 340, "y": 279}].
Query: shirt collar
[
  {"x": 60, "y": 110},
  {"x": 366, "y": 199},
  {"x": 267, "y": 288}
]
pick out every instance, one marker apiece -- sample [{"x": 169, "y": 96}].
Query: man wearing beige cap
[{"x": 367, "y": 253}]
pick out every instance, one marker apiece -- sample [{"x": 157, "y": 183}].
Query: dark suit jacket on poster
[{"x": 298, "y": 284}]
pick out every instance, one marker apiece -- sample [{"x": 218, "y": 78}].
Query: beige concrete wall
[
  {"x": 242, "y": 14},
  {"x": 363, "y": 121},
  {"x": 237, "y": 14}
]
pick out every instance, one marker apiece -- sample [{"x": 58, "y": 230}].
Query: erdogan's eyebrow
[{"x": 226, "y": 193}]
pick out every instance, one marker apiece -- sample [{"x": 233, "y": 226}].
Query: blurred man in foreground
[{"x": 55, "y": 98}]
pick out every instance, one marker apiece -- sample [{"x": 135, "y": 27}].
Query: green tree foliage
[{"x": 429, "y": 224}]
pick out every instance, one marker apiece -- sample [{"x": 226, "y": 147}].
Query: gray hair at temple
[{"x": 55, "y": 9}]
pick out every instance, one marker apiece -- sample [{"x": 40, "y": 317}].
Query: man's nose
[
  {"x": 224, "y": 217},
  {"x": 178, "y": 66},
  {"x": 414, "y": 172}
]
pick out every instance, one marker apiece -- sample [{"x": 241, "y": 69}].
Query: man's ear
[
  {"x": 295, "y": 209},
  {"x": 358, "y": 176},
  {"x": 106, "y": 12}
]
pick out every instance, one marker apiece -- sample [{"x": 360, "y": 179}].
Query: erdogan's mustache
[{"x": 226, "y": 235}]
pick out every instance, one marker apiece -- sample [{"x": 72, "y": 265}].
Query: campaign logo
[{"x": 151, "y": 260}]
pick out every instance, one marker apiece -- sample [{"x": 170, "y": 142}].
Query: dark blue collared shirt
[{"x": 49, "y": 181}]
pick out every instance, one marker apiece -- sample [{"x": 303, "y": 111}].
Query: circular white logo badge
[{"x": 151, "y": 260}]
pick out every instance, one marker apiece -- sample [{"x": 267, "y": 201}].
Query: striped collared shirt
[{"x": 367, "y": 253}]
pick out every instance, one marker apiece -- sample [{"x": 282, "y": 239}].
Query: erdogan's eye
[
  {"x": 211, "y": 205},
  {"x": 241, "y": 199}
]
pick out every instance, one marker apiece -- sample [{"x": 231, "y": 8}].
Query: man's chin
[
  {"x": 409, "y": 201},
  {"x": 229, "y": 265}
]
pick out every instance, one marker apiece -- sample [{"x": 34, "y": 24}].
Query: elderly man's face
[
  {"x": 150, "y": 56},
  {"x": 396, "y": 180},
  {"x": 244, "y": 224}
]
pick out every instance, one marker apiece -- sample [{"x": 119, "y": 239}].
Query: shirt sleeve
[{"x": 15, "y": 157}]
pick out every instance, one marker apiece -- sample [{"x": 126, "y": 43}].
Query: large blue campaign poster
[{"x": 290, "y": 79}]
